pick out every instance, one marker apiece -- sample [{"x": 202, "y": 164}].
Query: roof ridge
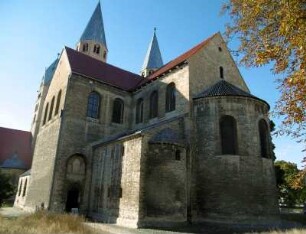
[
  {"x": 179, "y": 59},
  {"x": 108, "y": 64},
  {"x": 15, "y": 129}
]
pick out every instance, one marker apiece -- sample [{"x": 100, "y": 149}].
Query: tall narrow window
[
  {"x": 85, "y": 47},
  {"x": 178, "y": 155},
  {"x": 58, "y": 102},
  {"x": 154, "y": 104},
  {"x": 46, "y": 113},
  {"x": 20, "y": 188},
  {"x": 96, "y": 49},
  {"x": 139, "y": 111},
  {"x": 170, "y": 97},
  {"x": 51, "y": 108},
  {"x": 93, "y": 105},
  {"x": 25, "y": 188},
  {"x": 263, "y": 135},
  {"x": 221, "y": 72},
  {"x": 228, "y": 132},
  {"x": 118, "y": 110}
]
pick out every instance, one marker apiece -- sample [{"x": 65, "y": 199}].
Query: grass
[{"x": 45, "y": 223}]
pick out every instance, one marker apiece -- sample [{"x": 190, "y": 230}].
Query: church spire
[
  {"x": 153, "y": 59},
  {"x": 92, "y": 41}
]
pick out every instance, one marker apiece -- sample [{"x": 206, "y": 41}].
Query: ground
[{"x": 14, "y": 220}]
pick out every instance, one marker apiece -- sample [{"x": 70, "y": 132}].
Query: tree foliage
[
  {"x": 6, "y": 188},
  {"x": 286, "y": 173},
  {"x": 275, "y": 31}
]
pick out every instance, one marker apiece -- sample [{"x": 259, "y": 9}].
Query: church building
[{"x": 184, "y": 141}]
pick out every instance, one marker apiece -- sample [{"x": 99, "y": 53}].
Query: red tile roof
[
  {"x": 180, "y": 59},
  {"x": 15, "y": 141},
  {"x": 85, "y": 65}
]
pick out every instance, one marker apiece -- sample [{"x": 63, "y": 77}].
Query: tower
[
  {"x": 153, "y": 59},
  {"x": 92, "y": 41}
]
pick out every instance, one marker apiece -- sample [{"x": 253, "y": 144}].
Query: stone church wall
[
  {"x": 45, "y": 151},
  {"x": 116, "y": 182},
  {"x": 231, "y": 187},
  {"x": 78, "y": 131},
  {"x": 204, "y": 67}
]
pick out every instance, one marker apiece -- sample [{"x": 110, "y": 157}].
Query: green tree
[
  {"x": 286, "y": 173},
  {"x": 274, "y": 31},
  {"x": 6, "y": 188}
]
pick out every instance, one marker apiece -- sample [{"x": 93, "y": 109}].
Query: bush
[{"x": 6, "y": 188}]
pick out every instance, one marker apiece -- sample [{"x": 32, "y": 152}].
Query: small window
[
  {"x": 20, "y": 188},
  {"x": 178, "y": 155},
  {"x": 46, "y": 113},
  {"x": 96, "y": 49},
  {"x": 120, "y": 192},
  {"x": 104, "y": 55},
  {"x": 118, "y": 110},
  {"x": 139, "y": 111},
  {"x": 170, "y": 97},
  {"x": 109, "y": 191},
  {"x": 228, "y": 132},
  {"x": 221, "y": 72},
  {"x": 264, "y": 136},
  {"x": 51, "y": 108},
  {"x": 220, "y": 49},
  {"x": 154, "y": 104},
  {"x": 93, "y": 105},
  {"x": 85, "y": 47},
  {"x": 122, "y": 150},
  {"x": 25, "y": 188},
  {"x": 58, "y": 102}
]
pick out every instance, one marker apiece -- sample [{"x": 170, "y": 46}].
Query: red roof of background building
[
  {"x": 18, "y": 142},
  {"x": 85, "y": 65}
]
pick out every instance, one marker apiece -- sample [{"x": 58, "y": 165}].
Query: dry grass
[
  {"x": 291, "y": 231},
  {"x": 45, "y": 223}
]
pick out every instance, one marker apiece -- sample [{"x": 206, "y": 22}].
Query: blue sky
[{"x": 33, "y": 32}]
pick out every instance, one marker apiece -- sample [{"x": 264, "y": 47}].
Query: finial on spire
[{"x": 154, "y": 29}]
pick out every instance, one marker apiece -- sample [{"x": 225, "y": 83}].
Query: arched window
[
  {"x": 139, "y": 111},
  {"x": 25, "y": 187},
  {"x": 96, "y": 49},
  {"x": 221, "y": 72},
  {"x": 51, "y": 108},
  {"x": 154, "y": 104},
  {"x": 58, "y": 102},
  {"x": 76, "y": 165},
  {"x": 228, "y": 132},
  {"x": 85, "y": 47},
  {"x": 118, "y": 110},
  {"x": 170, "y": 97},
  {"x": 46, "y": 113},
  {"x": 104, "y": 55},
  {"x": 93, "y": 105},
  {"x": 20, "y": 188},
  {"x": 264, "y": 136}
]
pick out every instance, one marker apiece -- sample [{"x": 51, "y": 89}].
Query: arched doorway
[
  {"x": 73, "y": 198},
  {"x": 75, "y": 179}
]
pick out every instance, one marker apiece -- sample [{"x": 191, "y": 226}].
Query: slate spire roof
[
  {"x": 50, "y": 72},
  {"x": 153, "y": 59},
  {"x": 94, "y": 30}
]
